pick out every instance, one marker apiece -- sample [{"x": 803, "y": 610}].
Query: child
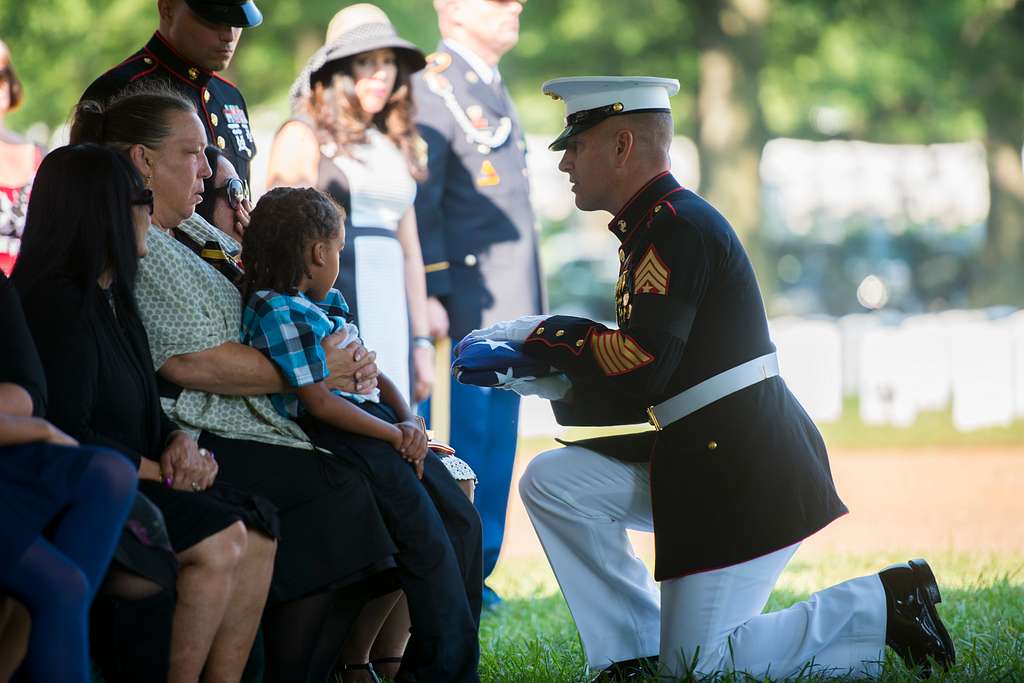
[{"x": 291, "y": 252}]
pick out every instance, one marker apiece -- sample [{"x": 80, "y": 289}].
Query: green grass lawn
[{"x": 531, "y": 638}]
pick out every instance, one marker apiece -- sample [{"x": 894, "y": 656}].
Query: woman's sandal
[
  {"x": 340, "y": 670},
  {"x": 386, "y": 660}
]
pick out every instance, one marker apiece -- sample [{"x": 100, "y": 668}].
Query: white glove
[{"x": 510, "y": 330}]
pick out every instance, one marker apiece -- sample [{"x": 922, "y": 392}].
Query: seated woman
[
  {"x": 84, "y": 234},
  {"x": 61, "y": 510},
  {"x": 192, "y": 312},
  {"x": 326, "y": 565}
]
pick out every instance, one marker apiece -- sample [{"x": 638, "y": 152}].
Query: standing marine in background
[
  {"x": 195, "y": 40},
  {"x": 476, "y": 229}
]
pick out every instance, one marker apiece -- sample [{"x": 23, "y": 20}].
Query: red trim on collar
[
  {"x": 171, "y": 71},
  {"x": 629, "y": 203},
  {"x": 209, "y": 74},
  {"x": 214, "y": 74},
  {"x": 650, "y": 213}
]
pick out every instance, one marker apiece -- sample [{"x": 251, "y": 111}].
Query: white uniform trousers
[{"x": 581, "y": 503}]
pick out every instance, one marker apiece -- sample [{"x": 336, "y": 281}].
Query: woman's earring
[{"x": 145, "y": 181}]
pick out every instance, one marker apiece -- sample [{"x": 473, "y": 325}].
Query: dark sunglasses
[
  {"x": 233, "y": 191},
  {"x": 145, "y": 198}
]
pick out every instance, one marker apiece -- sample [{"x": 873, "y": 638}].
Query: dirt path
[{"x": 916, "y": 501}]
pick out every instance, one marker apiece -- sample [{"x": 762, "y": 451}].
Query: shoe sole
[{"x": 926, "y": 578}]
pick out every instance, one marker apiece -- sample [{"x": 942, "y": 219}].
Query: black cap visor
[
  {"x": 562, "y": 140},
  {"x": 588, "y": 118},
  {"x": 243, "y": 15}
]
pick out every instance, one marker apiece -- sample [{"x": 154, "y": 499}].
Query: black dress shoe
[
  {"x": 913, "y": 627},
  {"x": 628, "y": 670}
]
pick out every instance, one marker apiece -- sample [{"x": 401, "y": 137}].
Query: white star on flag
[
  {"x": 504, "y": 377},
  {"x": 496, "y": 344}
]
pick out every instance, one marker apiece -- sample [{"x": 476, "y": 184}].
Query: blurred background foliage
[{"x": 751, "y": 70}]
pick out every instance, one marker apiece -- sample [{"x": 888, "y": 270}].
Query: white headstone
[
  {"x": 810, "y": 361},
  {"x": 928, "y": 366},
  {"x": 983, "y": 386},
  {"x": 852, "y": 329},
  {"x": 886, "y": 392},
  {"x": 1016, "y": 324}
]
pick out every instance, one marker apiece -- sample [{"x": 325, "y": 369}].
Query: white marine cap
[{"x": 589, "y": 100}]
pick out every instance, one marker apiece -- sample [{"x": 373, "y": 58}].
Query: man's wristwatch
[{"x": 420, "y": 341}]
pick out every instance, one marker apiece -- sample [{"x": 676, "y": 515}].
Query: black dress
[
  {"x": 102, "y": 391},
  {"x": 37, "y": 479}
]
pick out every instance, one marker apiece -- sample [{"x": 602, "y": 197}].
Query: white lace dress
[{"x": 374, "y": 185}]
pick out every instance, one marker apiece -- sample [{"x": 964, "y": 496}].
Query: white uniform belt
[{"x": 712, "y": 389}]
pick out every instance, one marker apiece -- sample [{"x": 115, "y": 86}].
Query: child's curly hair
[{"x": 284, "y": 223}]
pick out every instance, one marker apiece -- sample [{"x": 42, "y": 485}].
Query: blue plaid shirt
[{"x": 288, "y": 330}]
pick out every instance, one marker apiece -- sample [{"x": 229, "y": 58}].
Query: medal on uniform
[
  {"x": 487, "y": 176},
  {"x": 476, "y": 116}
]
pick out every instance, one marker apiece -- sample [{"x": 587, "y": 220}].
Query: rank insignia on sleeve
[
  {"x": 618, "y": 353},
  {"x": 651, "y": 274},
  {"x": 488, "y": 176}
]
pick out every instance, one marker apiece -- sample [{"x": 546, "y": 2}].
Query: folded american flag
[{"x": 494, "y": 363}]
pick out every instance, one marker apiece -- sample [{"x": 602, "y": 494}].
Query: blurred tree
[
  {"x": 924, "y": 72},
  {"x": 730, "y": 126},
  {"x": 60, "y": 46},
  {"x": 929, "y": 71}
]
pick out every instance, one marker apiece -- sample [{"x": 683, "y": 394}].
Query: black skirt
[
  {"x": 193, "y": 517},
  {"x": 331, "y": 532}
]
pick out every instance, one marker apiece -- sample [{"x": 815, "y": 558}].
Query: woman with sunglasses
[
  {"x": 62, "y": 506},
  {"x": 88, "y": 213},
  {"x": 76, "y": 275},
  {"x": 353, "y": 137},
  {"x": 225, "y": 203},
  {"x": 335, "y": 550}
]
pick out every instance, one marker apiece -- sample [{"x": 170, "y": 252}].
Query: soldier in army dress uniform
[
  {"x": 196, "y": 39},
  {"x": 476, "y": 229},
  {"x": 735, "y": 474}
]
